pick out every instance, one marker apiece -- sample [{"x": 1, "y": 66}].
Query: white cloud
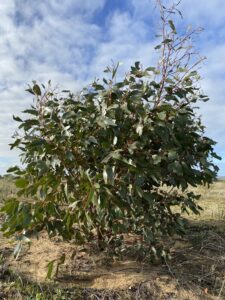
[
  {"x": 126, "y": 42},
  {"x": 213, "y": 111},
  {"x": 41, "y": 41},
  {"x": 204, "y": 12}
]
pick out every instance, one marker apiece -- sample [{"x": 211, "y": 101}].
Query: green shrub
[{"x": 107, "y": 162}]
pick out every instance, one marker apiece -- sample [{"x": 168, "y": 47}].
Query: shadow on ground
[{"x": 196, "y": 270}]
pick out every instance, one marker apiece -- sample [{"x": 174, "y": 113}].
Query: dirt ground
[{"x": 196, "y": 270}]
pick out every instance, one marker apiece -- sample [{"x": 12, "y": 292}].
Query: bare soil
[{"x": 196, "y": 270}]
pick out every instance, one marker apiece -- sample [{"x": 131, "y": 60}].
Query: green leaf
[
  {"x": 31, "y": 112},
  {"x": 105, "y": 122},
  {"x": 139, "y": 191},
  {"x": 98, "y": 87},
  {"x": 162, "y": 115},
  {"x": 91, "y": 197},
  {"x": 176, "y": 168},
  {"x": 93, "y": 140},
  {"x": 15, "y": 144},
  {"x": 167, "y": 41},
  {"x": 18, "y": 119},
  {"x": 28, "y": 124},
  {"x": 172, "y": 26},
  {"x": 113, "y": 154},
  {"x": 156, "y": 159},
  {"x": 108, "y": 175},
  {"x": 114, "y": 71},
  {"x": 50, "y": 266},
  {"x": 13, "y": 169},
  {"x": 62, "y": 259},
  {"x": 172, "y": 154},
  {"x": 158, "y": 47},
  {"x": 150, "y": 69},
  {"x": 21, "y": 183},
  {"x": 105, "y": 176},
  {"x": 139, "y": 129},
  {"x": 128, "y": 162},
  {"x": 43, "y": 168},
  {"x": 137, "y": 65},
  {"x": 37, "y": 90},
  {"x": 30, "y": 91},
  {"x": 17, "y": 250},
  {"x": 148, "y": 196},
  {"x": 69, "y": 156}
]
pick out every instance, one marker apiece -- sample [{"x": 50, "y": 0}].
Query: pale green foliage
[{"x": 95, "y": 163}]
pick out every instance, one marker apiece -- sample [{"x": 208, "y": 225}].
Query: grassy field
[
  {"x": 213, "y": 202},
  {"x": 196, "y": 270},
  {"x": 7, "y": 188}
]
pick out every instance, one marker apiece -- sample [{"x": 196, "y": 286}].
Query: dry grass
[
  {"x": 212, "y": 201},
  {"x": 7, "y": 188}
]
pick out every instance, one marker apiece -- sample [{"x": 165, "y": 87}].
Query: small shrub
[{"x": 107, "y": 162}]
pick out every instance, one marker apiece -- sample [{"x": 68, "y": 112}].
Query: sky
[{"x": 70, "y": 42}]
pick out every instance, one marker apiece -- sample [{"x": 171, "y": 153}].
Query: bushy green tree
[{"x": 113, "y": 159}]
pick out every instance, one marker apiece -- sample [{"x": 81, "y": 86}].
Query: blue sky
[{"x": 72, "y": 41}]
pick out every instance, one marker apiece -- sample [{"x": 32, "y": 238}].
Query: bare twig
[{"x": 176, "y": 52}]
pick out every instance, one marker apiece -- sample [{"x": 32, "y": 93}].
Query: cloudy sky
[{"x": 72, "y": 41}]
